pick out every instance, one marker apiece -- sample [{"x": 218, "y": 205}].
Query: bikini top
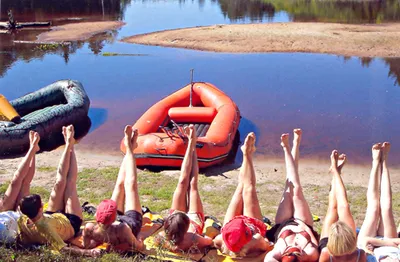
[{"x": 290, "y": 250}]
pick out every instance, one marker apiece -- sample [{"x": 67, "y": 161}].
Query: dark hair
[
  {"x": 30, "y": 205},
  {"x": 176, "y": 226}
]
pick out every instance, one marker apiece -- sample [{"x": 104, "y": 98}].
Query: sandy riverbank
[
  {"x": 340, "y": 39},
  {"x": 312, "y": 171},
  {"x": 78, "y": 31}
]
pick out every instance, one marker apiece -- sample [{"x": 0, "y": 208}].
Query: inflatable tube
[
  {"x": 46, "y": 111},
  {"x": 216, "y": 119}
]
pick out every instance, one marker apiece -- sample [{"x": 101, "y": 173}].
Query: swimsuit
[
  {"x": 294, "y": 250},
  {"x": 133, "y": 219}
]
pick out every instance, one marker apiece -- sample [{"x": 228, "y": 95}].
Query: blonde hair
[{"x": 342, "y": 239}]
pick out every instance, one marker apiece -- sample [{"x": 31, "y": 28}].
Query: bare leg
[
  {"x": 370, "y": 225},
  {"x": 179, "y": 201},
  {"x": 293, "y": 202},
  {"x": 387, "y": 219},
  {"x": 251, "y": 206},
  {"x": 13, "y": 192},
  {"x": 131, "y": 187},
  {"x": 332, "y": 213},
  {"x": 26, "y": 184},
  {"x": 72, "y": 205},
  {"x": 296, "y": 147},
  {"x": 118, "y": 194},
  {"x": 344, "y": 211},
  {"x": 195, "y": 204},
  {"x": 56, "y": 201},
  {"x": 236, "y": 206}
]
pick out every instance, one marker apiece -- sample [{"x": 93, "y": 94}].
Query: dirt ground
[
  {"x": 341, "y": 39},
  {"x": 77, "y": 31}
]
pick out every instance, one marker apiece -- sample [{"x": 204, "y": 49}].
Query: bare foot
[
  {"x": 285, "y": 141},
  {"x": 341, "y": 162},
  {"x": 297, "y": 136},
  {"x": 128, "y": 138},
  {"x": 248, "y": 147},
  {"x": 385, "y": 150},
  {"x": 69, "y": 133},
  {"x": 376, "y": 152},
  {"x": 135, "y": 134},
  {"x": 334, "y": 161},
  {"x": 190, "y": 132},
  {"x": 34, "y": 139}
]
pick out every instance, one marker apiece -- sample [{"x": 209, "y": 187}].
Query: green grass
[{"x": 47, "y": 169}]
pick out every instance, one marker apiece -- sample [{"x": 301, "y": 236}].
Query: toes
[
  {"x": 128, "y": 130},
  {"x": 297, "y": 131},
  {"x": 377, "y": 146},
  {"x": 334, "y": 155}
]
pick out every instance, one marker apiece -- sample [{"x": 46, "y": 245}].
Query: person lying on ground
[
  {"x": 17, "y": 189},
  {"x": 243, "y": 232},
  {"x": 184, "y": 225},
  {"x": 293, "y": 233},
  {"x": 115, "y": 227},
  {"x": 378, "y": 235},
  {"x": 338, "y": 237},
  {"x": 63, "y": 217}
]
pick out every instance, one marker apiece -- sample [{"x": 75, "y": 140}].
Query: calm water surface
[{"x": 340, "y": 102}]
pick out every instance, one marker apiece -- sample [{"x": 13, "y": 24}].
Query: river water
[{"x": 340, "y": 102}]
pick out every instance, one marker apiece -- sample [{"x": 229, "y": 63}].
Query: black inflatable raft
[{"x": 62, "y": 103}]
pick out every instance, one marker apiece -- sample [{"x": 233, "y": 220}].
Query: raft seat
[{"x": 201, "y": 128}]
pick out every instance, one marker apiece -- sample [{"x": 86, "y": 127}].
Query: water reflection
[
  {"x": 339, "y": 11},
  {"x": 11, "y": 53},
  {"x": 241, "y": 9},
  {"x": 40, "y": 10}
]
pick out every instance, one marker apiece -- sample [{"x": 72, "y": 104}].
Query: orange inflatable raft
[{"x": 161, "y": 142}]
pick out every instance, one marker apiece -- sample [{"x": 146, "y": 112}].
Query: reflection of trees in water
[
  {"x": 339, "y": 11},
  {"x": 394, "y": 69},
  {"x": 240, "y": 9},
  {"x": 42, "y": 9},
  {"x": 392, "y": 63},
  {"x": 11, "y": 53}
]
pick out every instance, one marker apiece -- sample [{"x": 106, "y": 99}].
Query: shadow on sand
[{"x": 235, "y": 157}]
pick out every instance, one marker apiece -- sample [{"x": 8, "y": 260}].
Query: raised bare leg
[
  {"x": 16, "y": 188},
  {"x": 72, "y": 205},
  {"x": 370, "y": 225},
  {"x": 340, "y": 190},
  {"x": 297, "y": 206},
  {"x": 56, "y": 201},
  {"x": 179, "y": 199},
  {"x": 251, "y": 205},
  {"x": 118, "y": 194},
  {"x": 387, "y": 219},
  {"x": 236, "y": 206},
  {"x": 131, "y": 187},
  {"x": 195, "y": 204},
  {"x": 297, "y": 133},
  {"x": 332, "y": 212}
]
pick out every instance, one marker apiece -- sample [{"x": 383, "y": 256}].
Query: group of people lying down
[{"x": 243, "y": 234}]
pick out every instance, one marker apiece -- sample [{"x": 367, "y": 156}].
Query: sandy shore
[
  {"x": 341, "y": 39},
  {"x": 78, "y": 31}
]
